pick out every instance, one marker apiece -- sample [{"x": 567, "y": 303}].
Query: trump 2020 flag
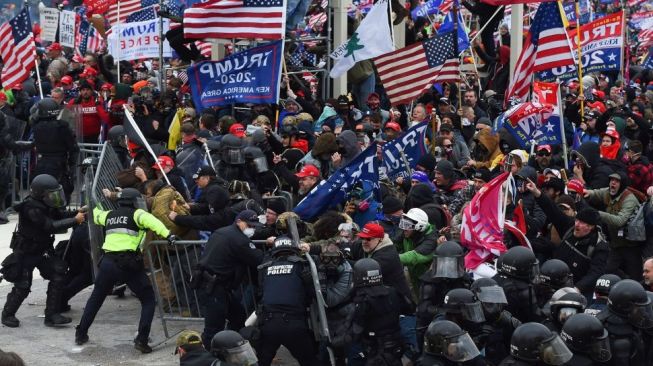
[
  {"x": 483, "y": 221},
  {"x": 532, "y": 122},
  {"x": 330, "y": 192},
  {"x": 251, "y": 76},
  {"x": 372, "y": 38},
  {"x": 447, "y": 26},
  {"x": 413, "y": 145}
]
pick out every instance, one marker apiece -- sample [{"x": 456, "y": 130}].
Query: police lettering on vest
[
  {"x": 117, "y": 220},
  {"x": 280, "y": 269}
]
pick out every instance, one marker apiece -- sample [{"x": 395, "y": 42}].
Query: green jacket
[
  {"x": 617, "y": 212},
  {"x": 124, "y": 241},
  {"x": 416, "y": 253}
]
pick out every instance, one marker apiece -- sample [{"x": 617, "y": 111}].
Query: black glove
[{"x": 172, "y": 238}]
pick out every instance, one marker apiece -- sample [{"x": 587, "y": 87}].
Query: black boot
[
  {"x": 142, "y": 346},
  {"x": 52, "y": 306},
  {"x": 14, "y": 300},
  {"x": 80, "y": 338},
  {"x": 57, "y": 319}
]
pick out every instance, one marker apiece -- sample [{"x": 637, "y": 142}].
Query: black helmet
[
  {"x": 628, "y": 299},
  {"x": 47, "y": 189},
  {"x": 116, "y": 135},
  {"x": 555, "y": 274},
  {"x": 231, "y": 148},
  {"x": 535, "y": 342},
  {"x": 567, "y": 305},
  {"x": 605, "y": 283},
  {"x": 449, "y": 260},
  {"x": 230, "y": 346},
  {"x": 518, "y": 262},
  {"x": 584, "y": 333},
  {"x": 463, "y": 301},
  {"x": 47, "y": 109},
  {"x": 367, "y": 272},
  {"x": 283, "y": 244},
  {"x": 128, "y": 197},
  {"x": 255, "y": 157},
  {"x": 446, "y": 338},
  {"x": 490, "y": 294}
]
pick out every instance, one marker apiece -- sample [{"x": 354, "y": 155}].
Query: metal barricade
[
  {"x": 170, "y": 269},
  {"x": 20, "y": 176}
]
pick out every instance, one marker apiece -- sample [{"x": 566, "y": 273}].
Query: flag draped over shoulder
[
  {"x": 546, "y": 46},
  {"x": 483, "y": 222},
  {"x": 408, "y": 72},
  {"x": 17, "y": 49},
  {"x": 229, "y": 19},
  {"x": 331, "y": 192},
  {"x": 372, "y": 38}
]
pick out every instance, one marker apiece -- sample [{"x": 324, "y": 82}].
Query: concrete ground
[{"x": 110, "y": 335}]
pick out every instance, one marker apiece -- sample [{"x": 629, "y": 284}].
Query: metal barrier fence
[{"x": 170, "y": 269}]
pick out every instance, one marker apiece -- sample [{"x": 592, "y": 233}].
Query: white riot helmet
[{"x": 415, "y": 219}]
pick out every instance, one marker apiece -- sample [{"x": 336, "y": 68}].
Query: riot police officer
[
  {"x": 502, "y": 323},
  {"x": 462, "y": 307},
  {"x": 55, "y": 145},
  {"x": 287, "y": 290},
  {"x": 118, "y": 140},
  {"x": 229, "y": 346},
  {"x": 232, "y": 158},
  {"x": 629, "y": 312},
  {"x": 375, "y": 321},
  {"x": 40, "y": 216},
  {"x": 554, "y": 274},
  {"x": 535, "y": 344},
  {"x": 601, "y": 291},
  {"x": 516, "y": 270},
  {"x": 446, "y": 273},
  {"x": 122, "y": 262},
  {"x": 445, "y": 344},
  {"x": 564, "y": 307},
  {"x": 587, "y": 339}
]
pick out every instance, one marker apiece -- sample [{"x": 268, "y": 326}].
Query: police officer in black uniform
[
  {"x": 564, "y": 307},
  {"x": 601, "y": 291},
  {"x": 516, "y": 270},
  {"x": 40, "y": 216},
  {"x": 228, "y": 256},
  {"x": 446, "y": 273},
  {"x": 375, "y": 321},
  {"x": 286, "y": 293},
  {"x": 587, "y": 339},
  {"x": 125, "y": 230},
  {"x": 55, "y": 144},
  {"x": 446, "y": 344},
  {"x": 535, "y": 344},
  {"x": 232, "y": 349},
  {"x": 554, "y": 275},
  {"x": 118, "y": 140},
  {"x": 629, "y": 312}
]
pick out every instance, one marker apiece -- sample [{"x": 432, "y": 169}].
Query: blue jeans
[
  {"x": 363, "y": 90},
  {"x": 295, "y": 12},
  {"x": 409, "y": 336}
]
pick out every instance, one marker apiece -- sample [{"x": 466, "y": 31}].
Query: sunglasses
[{"x": 543, "y": 153}]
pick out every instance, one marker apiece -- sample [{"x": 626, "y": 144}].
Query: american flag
[
  {"x": 87, "y": 39},
  {"x": 236, "y": 19},
  {"x": 127, "y": 7},
  {"x": 204, "y": 48},
  {"x": 17, "y": 49},
  {"x": 408, "y": 72},
  {"x": 546, "y": 47},
  {"x": 148, "y": 13},
  {"x": 645, "y": 38}
]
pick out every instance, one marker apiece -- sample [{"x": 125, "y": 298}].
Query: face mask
[{"x": 249, "y": 232}]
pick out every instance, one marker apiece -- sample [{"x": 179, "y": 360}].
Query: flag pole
[
  {"x": 581, "y": 96},
  {"x": 455, "y": 48},
  {"x": 38, "y": 77},
  {"x": 562, "y": 127},
  {"x": 392, "y": 33},
  {"x": 118, "y": 44},
  {"x": 161, "y": 40},
  {"x": 486, "y": 24}
]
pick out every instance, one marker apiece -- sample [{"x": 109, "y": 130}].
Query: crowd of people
[{"x": 574, "y": 288}]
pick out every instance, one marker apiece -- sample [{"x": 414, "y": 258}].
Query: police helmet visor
[
  {"x": 233, "y": 156},
  {"x": 449, "y": 267},
  {"x": 535, "y": 270},
  {"x": 260, "y": 164},
  {"x": 492, "y": 295},
  {"x": 460, "y": 348},
  {"x": 565, "y": 313},
  {"x": 600, "y": 349},
  {"x": 641, "y": 316},
  {"x": 55, "y": 198},
  {"x": 555, "y": 352},
  {"x": 406, "y": 224},
  {"x": 473, "y": 312},
  {"x": 241, "y": 355},
  {"x": 139, "y": 202}
]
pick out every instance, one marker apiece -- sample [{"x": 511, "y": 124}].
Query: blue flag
[
  {"x": 447, "y": 26},
  {"x": 84, "y": 28},
  {"x": 430, "y": 7},
  {"x": 251, "y": 76},
  {"x": 412, "y": 143},
  {"x": 532, "y": 122},
  {"x": 648, "y": 62},
  {"x": 333, "y": 191}
]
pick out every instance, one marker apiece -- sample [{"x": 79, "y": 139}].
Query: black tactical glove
[{"x": 172, "y": 238}]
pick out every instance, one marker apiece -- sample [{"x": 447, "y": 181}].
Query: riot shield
[
  {"x": 189, "y": 161},
  {"x": 73, "y": 116},
  {"x": 15, "y": 127}
]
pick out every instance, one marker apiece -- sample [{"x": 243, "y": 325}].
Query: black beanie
[
  {"x": 277, "y": 206},
  {"x": 391, "y": 204},
  {"x": 427, "y": 162},
  {"x": 446, "y": 168},
  {"x": 589, "y": 216}
]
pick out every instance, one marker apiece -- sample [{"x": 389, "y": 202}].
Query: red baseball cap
[
  {"x": 3, "y": 96},
  {"x": 545, "y": 147},
  {"x": 78, "y": 59},
  {"x": 393, "y": 126},
  {"x": 67, "y": 80},
  {"x": 165, "y": 161},
  {"x": 308, "y": 170},
  {"x": 576, "y": 186},
  {"x": 372, "y": 230},
  {"x": 55, "y": 47},
  {"x": 237, "y": 130}
]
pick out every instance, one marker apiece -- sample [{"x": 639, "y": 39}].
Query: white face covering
[{"x": 249, "y": 232}]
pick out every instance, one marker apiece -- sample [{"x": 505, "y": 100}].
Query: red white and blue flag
[{"x": 17, "y": 49}]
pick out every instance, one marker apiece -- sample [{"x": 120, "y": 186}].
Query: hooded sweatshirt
[
  {"x": 491, "y": 142},
  {"x": 349, "y": 147}
]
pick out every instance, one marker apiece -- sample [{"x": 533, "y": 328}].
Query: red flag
[
  {"x": 519, "y": 218},
  {"x": 483, "y": 221},
  {"x": 545, "y": 93}
]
